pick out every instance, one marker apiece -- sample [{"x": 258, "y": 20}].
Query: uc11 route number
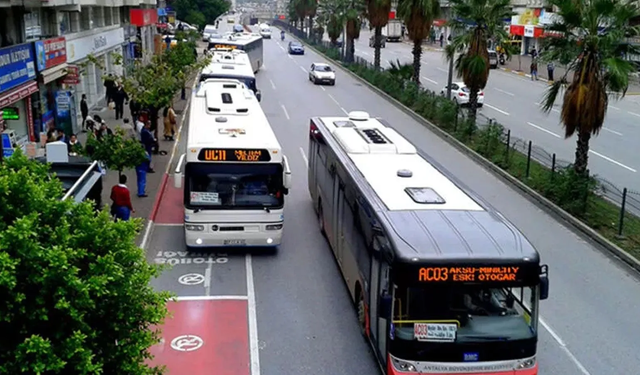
[{"x": 173, "y": 258}]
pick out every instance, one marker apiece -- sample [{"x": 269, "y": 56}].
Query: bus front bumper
[
  {"x": 398, "y": 366},
  {"x": 254, "y": 235}
]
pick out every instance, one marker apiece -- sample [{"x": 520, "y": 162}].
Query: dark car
[
  {"x": 238, "y": 28},
  {"x": 296, "y": 48},
  {"x": 383, "y": 41}
]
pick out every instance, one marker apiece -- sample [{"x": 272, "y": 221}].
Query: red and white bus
[{"x": 442, "y": 283}]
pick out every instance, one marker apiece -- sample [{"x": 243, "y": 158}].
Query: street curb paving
[{"x": 533, "y": 196}]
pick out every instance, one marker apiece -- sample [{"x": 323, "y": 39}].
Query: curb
[{"x": 533, "y": 195}]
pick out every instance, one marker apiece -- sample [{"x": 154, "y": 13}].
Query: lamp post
[{"x": 450, "y": 74}]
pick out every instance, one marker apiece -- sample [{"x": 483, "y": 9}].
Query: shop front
[
  {"x": 145, "y": 20},
  {"x": 527, "y": 27},
  {"x": 17, "y": 88},
  {"x": 91, "y": 75},
  {"x": 51, "y": 62},
  {"x": 129, "y": 47}
]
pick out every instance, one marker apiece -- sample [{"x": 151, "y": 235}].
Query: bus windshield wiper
[{"x": 486, "y": 338}]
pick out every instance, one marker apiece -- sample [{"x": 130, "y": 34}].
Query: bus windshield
[
  {"x": 464, "y": 313},
  {"x": 234, "y": 186}
]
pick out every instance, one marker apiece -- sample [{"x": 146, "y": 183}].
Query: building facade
[{"x": 45, "y": 64}]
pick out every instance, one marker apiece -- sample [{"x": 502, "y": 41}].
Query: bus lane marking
[
  {"x": 254, "y": 348},
  {"x": 187, "y": 343},
  {"x": 191, "y": 279},
  {"x": 174, "y": 258}
]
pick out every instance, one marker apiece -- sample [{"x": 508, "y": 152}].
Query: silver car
[{"x": 322, "y": 73}]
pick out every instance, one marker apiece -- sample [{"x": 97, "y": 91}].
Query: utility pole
[{"x": 450, "y": 76}]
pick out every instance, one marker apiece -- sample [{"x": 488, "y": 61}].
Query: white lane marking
[
  {"x": 281, "y": 47},
  {"x": 254, "y": 349},
  {"x": 323, "y": 89},
  {"x": 285, "y": 112},
  {"x": 291, "y": 57},
  {"x": 334, "y": 99},
  {"x": 616, "y": 108},
  {"x": 207, "y": 279},
  {"x": 303, "y": 69},
  {"x": 611, "y": 131},
  {"x": 344, "y": 110},
  {"x": 552, "y": 109},
  {"x": 273, "y": 85},
  {"x": 429, "y": 80},
  {"x": 564, "y": 347},
  {"x": 504, "y": 92},
  {"x": 612, "y": 161},
  {"x": 210, "y": 298},
  {"x": 149, "y": 227},
  {"x": 304, "y": 157},
  {"x": 543, "y": 129},
  {"x": 496, "y": 109},
  {"x": 442, "y": 69},
  {"x": 633, "y": 113}
]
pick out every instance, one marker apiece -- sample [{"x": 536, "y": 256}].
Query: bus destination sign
[
  {"x": 469, "y": 274},
  {"x": 237, "y": 154},
  {"x": 225, "y": 46}
]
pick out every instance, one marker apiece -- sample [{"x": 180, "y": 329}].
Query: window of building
[
  {"x": 98, "y": 17},
  {"x": 108, "y": 18},
  {"x": 124, "y": 15},
  {"x": 86, "y": 22},
  {"x": 32, "y": 24}
]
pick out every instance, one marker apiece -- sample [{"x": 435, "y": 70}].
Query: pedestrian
[
  {"x": 74, "y": 146},
  {"x": 148, "y": 141},
  {"x": 121, "y": 208},
  {"x": 139, "y": 125},
  {"x": 534, "y": 53},
  {"x": 169, "y": 123},
  {"x": 441, "y": 40},
  {"x": 109, "y": 85},
  {"x": 62, "y": 137},
  {"x": 133, "y": 108},
  {"x": 534, "y": 70},
  {"x": 119, "y": 97},
  {"x": 84, "y": 111},
  {"x": 141, "y": 175},
  {"x": 550, "y": 68},
  {"x": 103, "y": 131}
]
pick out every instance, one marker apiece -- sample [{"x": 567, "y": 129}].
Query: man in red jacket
[{"x": 121, "y": 198}]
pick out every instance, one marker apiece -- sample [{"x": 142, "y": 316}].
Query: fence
[{"x": 627, "y": 200}]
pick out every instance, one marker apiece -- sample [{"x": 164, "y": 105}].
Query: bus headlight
[
  {"x": 527, "y": 363},
  {"x": 274, "y": 227},
  {"x": 403, "y": 365},
  {"x": 195, "y": 228}
]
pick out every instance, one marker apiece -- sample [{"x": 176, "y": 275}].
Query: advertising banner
[
  {"x": 17, "y": 66},
  {"x": 51, "y": 52}
]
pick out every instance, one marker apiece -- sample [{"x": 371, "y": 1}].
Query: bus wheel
[
  {"x": 321, "y": 219},
  {"x": 362, "y": 318}
]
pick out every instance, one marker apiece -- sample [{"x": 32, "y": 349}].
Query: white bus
[
  {"x": 251, "y": 43},
  {"x": 230, "y": 64},
  {"x": 235, "y": 174}
]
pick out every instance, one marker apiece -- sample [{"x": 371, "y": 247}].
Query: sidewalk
[{"x": 143, "y": 206}]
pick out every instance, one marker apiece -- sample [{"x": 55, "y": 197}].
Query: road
[
  {"x": 290, "y": 313},
  {"x": 514, "y": 101}
]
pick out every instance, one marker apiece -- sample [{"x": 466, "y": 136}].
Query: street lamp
[{"x": 450, "y": 75}]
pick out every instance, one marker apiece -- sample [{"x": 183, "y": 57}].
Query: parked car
[
  {"x": 493, "y": 59},
  {"x": 382, "y": 44},
  {"x": 322, "y": 73},
  {"x": 460, "y": 94},
  {"x": 296, "y": 48}
]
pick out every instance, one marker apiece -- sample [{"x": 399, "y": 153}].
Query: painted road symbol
[
  {"x": 191, "y": 279},
  {"x": 174, "y": 258},
  {"x": 187, "y": 343}
]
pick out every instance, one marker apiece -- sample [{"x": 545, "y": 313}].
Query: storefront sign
[
  {"x": 78, "y": 49},
  {"x": 528, "y": 31},
  {"x": 10, "y": 113},
  {"x": 63, "y": 104},
  {"x": 8, "y": 98},
  {"x": 51, "y": 52},
  {"x": 73, "y": 75},
  {"x": 16, "y": 66},
  {"x": 143, "y": 17}
]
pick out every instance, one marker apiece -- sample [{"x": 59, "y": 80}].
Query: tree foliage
[
  {"x": 418, "y": 16},
  {"x": 378, "y": 16},
  {"x": 591, "y": 39},
  {"x": 74, "y": 286},
  {"x": 199, "y": 12},
  {"x": 339, "y": 14},
  {"x": 117, "y": 151}
]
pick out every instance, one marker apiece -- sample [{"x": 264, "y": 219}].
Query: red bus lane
[{"x": 205, "y": 337}]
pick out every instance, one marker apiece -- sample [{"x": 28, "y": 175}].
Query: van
[
  {"x": 493, "y": 59},
  {"x": 265, "y": 31}
]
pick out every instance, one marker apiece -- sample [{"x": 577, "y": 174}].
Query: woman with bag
[{"x": 169, "y": 123}]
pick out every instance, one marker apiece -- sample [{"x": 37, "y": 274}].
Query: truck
[{"x": 393, "y": 31}]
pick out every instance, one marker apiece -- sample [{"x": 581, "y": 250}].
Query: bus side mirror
[
  {"x": 286, "y": 173},
  {"x": 259, "y": 95},
  {"x": 384, "y": 306},
  {"x": 177, "y": 176},
  {"x": 544, "y": 287}
]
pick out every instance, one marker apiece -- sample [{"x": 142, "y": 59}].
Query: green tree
[
  {"x": 199, "y": 12},
  {"x": 74, "y": 286},
  {"x": 592, "y": 42},
  {"x": 329, "y": 16},
  {"x": 474, "y": 23},
  {"x": 117, "y": 151},
  {"x": 378, "y": 15},
  {"x": 418, "y": 16}
]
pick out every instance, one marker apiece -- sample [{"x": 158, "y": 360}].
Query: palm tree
[
  {"x": 329, "y": 14},
  {"x": 352, "y": 16},
  {"x": 593, "y": 44},
  {"x": 378, "y": 15},
  {"x": 418, "y": 16},
  {"x": 311, "y": 8},
  {"x": 474, "y": 23}
]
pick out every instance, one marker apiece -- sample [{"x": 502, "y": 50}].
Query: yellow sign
[
  {"x": 241, "y": 155},
  {"x": 468, "y": 274}
]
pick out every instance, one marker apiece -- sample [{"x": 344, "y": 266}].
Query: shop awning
[
  {"x": 18, "y": 93},
  {"x": 54, "y": 73}
]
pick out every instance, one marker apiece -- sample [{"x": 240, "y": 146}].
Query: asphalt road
[
  {"x": 290, "y": 313},
  {"x": 514, "y": 100}
]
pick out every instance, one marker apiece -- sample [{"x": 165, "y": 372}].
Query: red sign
[
  {"x": 55, "y": 51},
  {"x": 281, "y": 16},
  {"x": 143, "y": 17},
  {"x": 392, "y": 15},
  {"x": 18, "y": 93},
  {"x": 439, "y": 23},
  {"x": 73, "y": 75}
]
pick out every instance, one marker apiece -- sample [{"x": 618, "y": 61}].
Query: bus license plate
[{"x": 235, "y": 242}]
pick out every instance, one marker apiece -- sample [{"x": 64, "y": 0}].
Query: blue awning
[{"x": 162, "y": 12}]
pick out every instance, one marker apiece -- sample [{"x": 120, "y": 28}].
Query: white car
[
  {"x": 322, "y": 73},
  {"x": 265, "y": 32},
  {"x": 460, "y": 94},
  {"x": 208, "y": 31}
]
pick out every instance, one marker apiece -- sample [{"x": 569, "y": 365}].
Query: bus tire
[
  {"x": 362, "y": 311},
  {"x": 321, "y": 219}
]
